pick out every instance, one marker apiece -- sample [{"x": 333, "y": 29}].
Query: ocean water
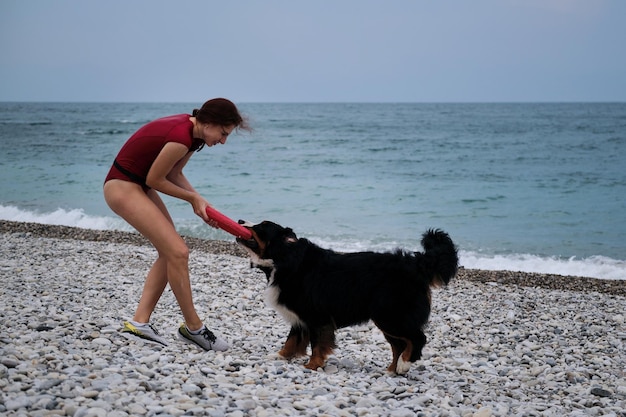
[{"x": 524, "y": 187}]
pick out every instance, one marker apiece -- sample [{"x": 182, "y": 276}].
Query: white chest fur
[{"x": 271, "y": 298}]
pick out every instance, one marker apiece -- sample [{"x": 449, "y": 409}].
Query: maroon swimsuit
[{"x": 135, "y": 158}]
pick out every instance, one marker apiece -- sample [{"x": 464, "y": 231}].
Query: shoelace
[
  {"x": 154, "y": 329},
  {"x": 208, "y": 335}
]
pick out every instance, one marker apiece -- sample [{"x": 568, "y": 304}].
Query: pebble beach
[{"x": 500, "y": 343}]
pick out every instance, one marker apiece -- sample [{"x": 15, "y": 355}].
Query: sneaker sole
[{"x": 137, "y": 338}]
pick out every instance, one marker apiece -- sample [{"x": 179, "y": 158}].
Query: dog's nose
[{"x": 245, "y": 223}]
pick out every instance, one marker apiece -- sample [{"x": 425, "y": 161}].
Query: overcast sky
[{"x": 313, "y": 51}]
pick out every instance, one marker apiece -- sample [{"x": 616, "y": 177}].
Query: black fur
[{"x": 320, "y": 290}]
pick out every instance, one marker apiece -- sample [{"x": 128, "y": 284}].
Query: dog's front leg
[
  {"x": 296, "y": 343},
  {"x": 322, "y": 345}
]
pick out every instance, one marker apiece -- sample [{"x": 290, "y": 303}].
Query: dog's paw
[
  {"x": 315, "y": 364},
  {"x": 403, "y": 367},
  {"x": 287, "y": 354},
  {"x": 313, "y": 367}
]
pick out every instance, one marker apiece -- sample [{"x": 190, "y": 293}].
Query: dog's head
[{"x": 268, "y": 241}]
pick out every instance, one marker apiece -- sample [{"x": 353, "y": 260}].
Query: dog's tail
[{"x": 440, "y": 257}]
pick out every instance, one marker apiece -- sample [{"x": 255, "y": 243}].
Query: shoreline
[{"x": 219, "y": 247}]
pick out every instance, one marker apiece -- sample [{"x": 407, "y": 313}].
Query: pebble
[{"x": 494, "y": 348}]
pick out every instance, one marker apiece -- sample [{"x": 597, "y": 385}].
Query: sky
[{"x": 313, "y": 51}]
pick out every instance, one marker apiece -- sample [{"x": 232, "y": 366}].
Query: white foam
[
  {"x": 61, "y": 217},
  {"x": 593, "y": 267}
]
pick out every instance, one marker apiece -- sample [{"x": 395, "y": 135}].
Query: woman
[{"x": 153, "y": 160}]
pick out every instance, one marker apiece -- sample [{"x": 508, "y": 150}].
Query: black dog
[{"x": 318, "y": 290}]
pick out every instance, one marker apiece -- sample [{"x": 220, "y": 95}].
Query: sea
[{"x": 533, "y": 187}]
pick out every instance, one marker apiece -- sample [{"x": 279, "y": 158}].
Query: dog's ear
[{"x": 290, "y": 236}]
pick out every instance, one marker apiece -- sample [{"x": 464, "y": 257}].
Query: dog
[{"x": 319, "y": 290}]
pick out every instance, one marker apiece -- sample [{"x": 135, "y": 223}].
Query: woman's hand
[{"x": 199, "y": 205}]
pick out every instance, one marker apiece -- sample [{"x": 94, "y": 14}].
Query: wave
[
  {"x": 61, "y": 217},
  {"x": 593, "y": 267}
]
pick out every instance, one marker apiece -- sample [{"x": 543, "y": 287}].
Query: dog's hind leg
[
  {"x": 412, "y": 352},
  {"x": 322, "y": 345},
  {"x": 406, "y": 346},
  {"x": 397, "y": 347},
  {"x": 296, "y": 343}
]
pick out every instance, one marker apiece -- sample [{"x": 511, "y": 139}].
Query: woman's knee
[{"x": 178, "y": 252}]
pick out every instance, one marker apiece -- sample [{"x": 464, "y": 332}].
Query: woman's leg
[
  {"x": 147, "y": 214},
  {"x": 156, "y": 281},
  {"x": 153, "y": 288}
]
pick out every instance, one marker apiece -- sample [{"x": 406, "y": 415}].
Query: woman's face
[{"x": 214, "y": 134}]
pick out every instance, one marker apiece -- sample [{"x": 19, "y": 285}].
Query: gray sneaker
[
  {"x": 146, "y": 333},
  {"x": 205, "y": 339}
]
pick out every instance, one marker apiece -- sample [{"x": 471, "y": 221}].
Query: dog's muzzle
[{"x": 248, "y": 243}]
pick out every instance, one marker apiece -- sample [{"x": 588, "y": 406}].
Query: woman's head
[{"x": 221, "y": 112}]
